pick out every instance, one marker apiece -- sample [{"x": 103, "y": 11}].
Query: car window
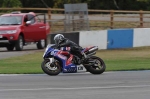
[
  {"x": 10, "y": 20},
  {"x": 31, "y": 18}
]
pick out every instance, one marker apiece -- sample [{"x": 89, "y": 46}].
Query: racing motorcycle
[{"x": 55, "y": 62}]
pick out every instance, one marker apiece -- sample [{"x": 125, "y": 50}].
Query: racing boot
[{"x": 77, "y": 60}]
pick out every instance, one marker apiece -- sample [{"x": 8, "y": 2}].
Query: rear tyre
[
  {"x": 51, "y": 69},
  {"x": 10, "y": 47},
  {"x": 41, "y": 44},
  {"x": 19, "y": 44},
  {"x": 98, "y": 67}
]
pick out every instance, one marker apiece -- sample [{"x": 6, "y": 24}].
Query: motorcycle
[{"x": 55, "y": 63}]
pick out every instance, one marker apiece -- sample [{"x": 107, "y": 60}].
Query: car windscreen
[{"x": 10, "y": 20}]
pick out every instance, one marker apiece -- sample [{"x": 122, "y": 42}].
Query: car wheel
[
  {"x": 41, "y": 44},
  {"x": 19, "y": 44}
]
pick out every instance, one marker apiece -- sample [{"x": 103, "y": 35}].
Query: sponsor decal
[
  {"x": 69, "y": 61},
  {"x": 80, "y": 68},
  {"x": 62, "y": 57},
  {"x": 68, "y": 48}
]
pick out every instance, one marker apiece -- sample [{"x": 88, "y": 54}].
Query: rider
[{"x": 61, "y": 41}]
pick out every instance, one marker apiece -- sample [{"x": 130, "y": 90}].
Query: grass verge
[{"x": 115, "y": 60}]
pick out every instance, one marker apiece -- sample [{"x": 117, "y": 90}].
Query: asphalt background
[
  {"x": 26, "y": 50},
  {"x": 109, "y": 85}
]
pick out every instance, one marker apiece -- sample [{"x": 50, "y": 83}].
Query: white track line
[
  {"x": 76, "y": 88},
  {"x": 46, "y": 74}
]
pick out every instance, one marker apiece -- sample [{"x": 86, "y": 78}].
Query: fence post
[
  {"x": 49, "y": 13},
  {"x": 141, "y": 18},
  {"x": 111, "y": 19},
  {"x": 49, "y": 18}
]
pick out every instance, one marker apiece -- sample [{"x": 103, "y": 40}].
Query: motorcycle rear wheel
[
  {"x": 97, "y": 68},
  {"x": 51, "y": 69}
]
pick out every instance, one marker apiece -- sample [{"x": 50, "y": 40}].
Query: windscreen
[{"x": 10, "y": 20}]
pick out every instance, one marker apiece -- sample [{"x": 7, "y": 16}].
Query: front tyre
[
  {"x": 41, "y": 44},
  {"x": 95, "y": 65},
  {"x": 19, "y": 43},
  {"x": 51, "y": 69}
]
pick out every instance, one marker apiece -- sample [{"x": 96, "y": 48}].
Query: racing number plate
[{"x": 1, "y": 36}]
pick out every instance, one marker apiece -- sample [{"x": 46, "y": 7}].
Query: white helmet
[{"x": 58, "y": 38}]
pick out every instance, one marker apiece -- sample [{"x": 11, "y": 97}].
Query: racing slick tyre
[
  {"x": 51, "y": 69},
  {"x": 97, "y": 67},
  {"x": 41, "y": 44},
  {"x": 19, "y": 44},
  {"x": 10, "y": 47}
]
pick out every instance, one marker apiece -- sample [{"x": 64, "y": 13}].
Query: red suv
[{"x": 18, "y": 29}]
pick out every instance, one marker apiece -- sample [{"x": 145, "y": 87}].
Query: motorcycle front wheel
[
  {"x": 51, "y": 69},
  {"x": 96, "y": 67}
]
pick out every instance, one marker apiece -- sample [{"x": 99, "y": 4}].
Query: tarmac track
[{"x": 109, "y": 85}]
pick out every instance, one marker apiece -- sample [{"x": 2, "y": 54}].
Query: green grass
[
  {"x": 126, "y": 59},
  {"x": 115, "y": 60},
  {"x": 23, "y": 64}
]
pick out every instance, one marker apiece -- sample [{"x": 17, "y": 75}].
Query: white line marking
[
  {"x": 8, "y": 74},
  {"x": 76, "y": 88},
  {"x": 46, "y": 74}
]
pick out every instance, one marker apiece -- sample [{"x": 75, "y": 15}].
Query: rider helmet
[{"x": 58, "y": 38}]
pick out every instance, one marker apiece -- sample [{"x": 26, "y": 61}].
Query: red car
[{"x": 18, "y": 29}]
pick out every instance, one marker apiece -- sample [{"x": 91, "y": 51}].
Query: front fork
[{"x": 50, "y": 59}]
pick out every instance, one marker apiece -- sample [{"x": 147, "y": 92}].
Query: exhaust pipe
[
  {"x": 90, "y": 54},
  {"x": 92, "y": 49}
]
